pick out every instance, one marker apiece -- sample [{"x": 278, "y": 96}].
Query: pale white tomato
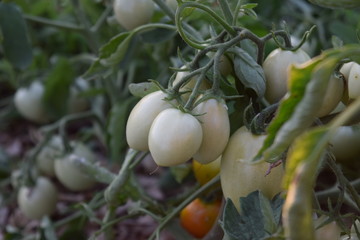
[
  {"x": 28, "y": 101},
  {"x": 333, "y": 96},
  {"x": 215, "y": 124},
  {"x": 46, "y": 157},
  {"x": 142, "y": 116},
  {"x": 68, "y": 172},
  {"x": 134, "y": 13},
  {"x": 354, "y": 81},
  {"x": 239, "y": 177},
  {"x": 38, "y": 201},
  {"x": 174, "y": 137},
  {"x": 276, "y": 67}
]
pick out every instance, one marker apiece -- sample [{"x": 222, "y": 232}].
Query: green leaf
[
  {"x": 157, "y": 35},
  {"x": 258, "y": 217},
  {"x": 112, "y": 52},
  {"x": 276, "y": 204},
  {"x": 116, "y": 137},
  {"x": 142, "y": 89},
  {"x": 249, "y": 72},
  {"x": 17, "y": 47},
  {"x": 231, "y": 222},
  {"x": 302, "y": 166},
  {"x": 57, "y": 86}
]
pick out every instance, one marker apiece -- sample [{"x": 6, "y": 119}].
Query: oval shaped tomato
[
  {"x": 189, "y": 86},
  {"x": 69, "y": 174},
  {"x": 354, "y": 81},
  {"x": 333, "y": 95},
  {"x": 174, "y": 137},
  {"x": 39, "y": 200},
  {"x": 198, "y": 217},
  {"x": 134, "y": 13},
  {"x": 345, "y": 143},
  {"x": 215, "y": 124},
  {"x": 142, "y": 116},
  {"x": 29, "y": 103},
  {"x": 276, "y": 67},
  {"x": 238, "y": 177},
  {"x": 205, "y": 172},
  {"x": 46, "y": 157}
]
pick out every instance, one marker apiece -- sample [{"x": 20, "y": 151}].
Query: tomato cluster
[
  {"x": 40, "y": 199},
  {"x": 174, "y": 136}
]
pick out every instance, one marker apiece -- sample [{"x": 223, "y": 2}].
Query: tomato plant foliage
[{"x": 180, "y": 101}]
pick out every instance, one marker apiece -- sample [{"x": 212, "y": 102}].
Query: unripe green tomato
[
  {"x": 46, "y": 157},
  {"x": 38, "y": 201},
  {"x": 68, "y": 172},
  {"x": 239, "y": 177},
  {"x": 276, "y": 67},
  {"x": 345, "y": 143},
  {"x": 215, "y": 124},
  {"x": 29, "y": 103},
  {"x": 189, "y": 86},
  {"x": 142, "y": 116},
  {"x": 172, "y": 4},
  {"x": 333, "y": 95},
  {"x": 134, "y": 13},
  {"x": 354, "y": 81},
  {"x": 174, "y": 137}
]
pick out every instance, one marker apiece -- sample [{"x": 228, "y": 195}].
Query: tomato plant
[
  {"x": 39, "y": 200},
  {"x": 150, "y": 85},
  {"x": 198, "y": 217}
]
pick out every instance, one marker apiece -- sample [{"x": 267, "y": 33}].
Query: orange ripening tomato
[{"x": 198, "y": 217}]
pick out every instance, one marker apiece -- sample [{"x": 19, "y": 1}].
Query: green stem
[
  {"x": 182, "y": 205},
  {"x": 53, "y": 23},
  {"x": 100, "y": 174},
  {"x": 208, "y": 10},
  {"x": 114, "y": 189},
  {"x": 226, "y": 11},
  {"x": 102, "y": 19},
  {"x": 195, "y": 92},
  {"x": 167, "y": 10},
  {"x": 91, "y": 36}
]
